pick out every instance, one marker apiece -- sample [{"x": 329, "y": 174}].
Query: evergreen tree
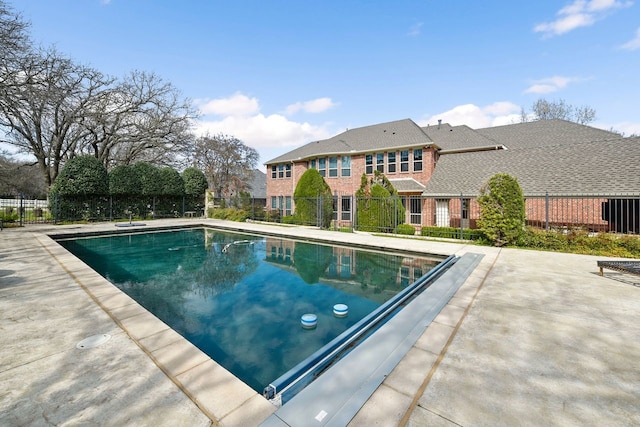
[
  {"x": 313, "y": 199},
  {"x": 379, "y": 207},
  {"x": 502, "y": 209}
]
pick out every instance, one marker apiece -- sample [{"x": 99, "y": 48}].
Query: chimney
[{"x": 439, "y": 123}]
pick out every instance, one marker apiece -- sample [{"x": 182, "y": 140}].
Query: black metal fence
[
  {"x": 21, "y": 211},
  {"x": 614, "y": 213},
  {"x": 617, "y": 213}
]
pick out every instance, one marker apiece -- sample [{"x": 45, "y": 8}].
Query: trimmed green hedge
[
  {"x": 452, "y": 233},
  {"x": 580, "y": 241},
  {"x": 405, "y": 229},
  {"x": 231, "y": 214}
]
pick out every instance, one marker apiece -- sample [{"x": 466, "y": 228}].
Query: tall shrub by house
[
  {"x": 313, "y": 199},
  {"x": 80, "y": 190},
  {"x": 124, "y": 181},
  {"x": 125, "y": 185},
  {"x": 195, "y": 186},
  {"x": 378, "y": 205},
  {"x": 502, "y": 210},
  {"x": 172, "y": 193},
  {"x": 150, "y": 179}
]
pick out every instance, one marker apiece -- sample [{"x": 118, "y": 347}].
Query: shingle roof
[
  {"x": 258, "y": 184},
  {"x": 583, "y": 167},
  {"x": 396, "y": 134},
  {"x": 555, "y": 156},
  {"x": 407, "y": 185},
  {"x": 544, "y": 132},
  {"x": 449, "y": 137}
]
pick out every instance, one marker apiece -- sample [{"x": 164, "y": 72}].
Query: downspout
[{"x": 293, "y": 188}]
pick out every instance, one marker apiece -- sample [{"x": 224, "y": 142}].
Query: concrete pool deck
[{"x": 531, "y": 338}]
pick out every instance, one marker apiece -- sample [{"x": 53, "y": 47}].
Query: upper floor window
[
  {"x": 322, "y": 166},
  {"x": 312, "y": 164},
  {"x": 380, "y": 162},
  {"x": 391, "y": 162},
  {"x": 346, "y": 166},
  {"x": 281, "y": 171},
  {"x": 368, "y": 163},
  {"x": 404, "y": 161},
  {"x": 333, "y": 167},
  {"x": 417, "y": 160}
]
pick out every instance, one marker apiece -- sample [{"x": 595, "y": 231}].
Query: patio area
[{"x": 531, "y": 338}]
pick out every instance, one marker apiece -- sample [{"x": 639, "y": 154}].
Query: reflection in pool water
[{"x": 242, "y": 303}]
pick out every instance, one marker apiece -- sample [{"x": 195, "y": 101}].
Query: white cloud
[
  {"x": 236, "y": 105},
  {"x": 314, "y": 106},
  {"x": 270, "y": 134},
  {"x": 415, "y": 29},
  {"x": 551, "y": 84},
  {"x": 634, "y": 43},
  {"x": 257, "y": 131},
  {"x": 580, "y": 13},
  {"x": 627, "y": 128},
  {"x": 496, "y": 114}
]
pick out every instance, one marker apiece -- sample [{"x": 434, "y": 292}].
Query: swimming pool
[{"x": 240, "y": 297}]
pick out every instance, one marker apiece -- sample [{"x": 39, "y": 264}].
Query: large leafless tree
[
  {"x": 18, "y": 177},
  {"x": 141, "y": 118},
  {"x": 43, "y": 107},
  {"x": 53, "y": 108},
  {"x": 226, "y": 161},
  {"x": 543, "y": 109},
  {"x": 14, "y": 38}
]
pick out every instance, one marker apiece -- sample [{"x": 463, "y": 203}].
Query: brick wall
[{"x": 348, "y": 185}]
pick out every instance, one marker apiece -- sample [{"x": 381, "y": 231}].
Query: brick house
[{"x": 438, "y": 170}]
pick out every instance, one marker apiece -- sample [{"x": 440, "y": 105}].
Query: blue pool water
[{"x": 242, "y": 303}]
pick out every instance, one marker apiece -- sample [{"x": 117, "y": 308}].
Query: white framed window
[
  {"x": 368, "y": 164},
  {"x": 287, "y": 170},
  {"x": 417, "y": 160},
  {"x": 415, "y": 210},
  {"x": 287, "y": 205},
  {"x": 322, "y": 166},
  {"x": 345, "y": 208},
  {"x": 404, "y": 161},
  {"x": 345, "y": 166},
  {"x": 274, "y": 172},
  {"x": 380, "y": 162},
  {"x": 391, "y": 162},
  {"x": 333, "y": 167}
]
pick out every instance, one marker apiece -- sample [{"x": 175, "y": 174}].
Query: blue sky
[{"x": 281, "y": 73}]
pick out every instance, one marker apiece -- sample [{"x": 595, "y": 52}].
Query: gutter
[{"x": 473, "y": 149}]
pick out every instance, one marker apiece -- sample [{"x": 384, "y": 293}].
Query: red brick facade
[{"x": 283, "y": 186}]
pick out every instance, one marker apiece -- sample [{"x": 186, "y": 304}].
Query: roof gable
[{"x": 449, "y": 137}]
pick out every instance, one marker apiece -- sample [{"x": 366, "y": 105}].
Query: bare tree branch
[
  {"x": 227, "y": 162},
  {"x": 543, "y": 109},
  {"x": 141, "y": 118},
  {"x": 43, "y": 106}
]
